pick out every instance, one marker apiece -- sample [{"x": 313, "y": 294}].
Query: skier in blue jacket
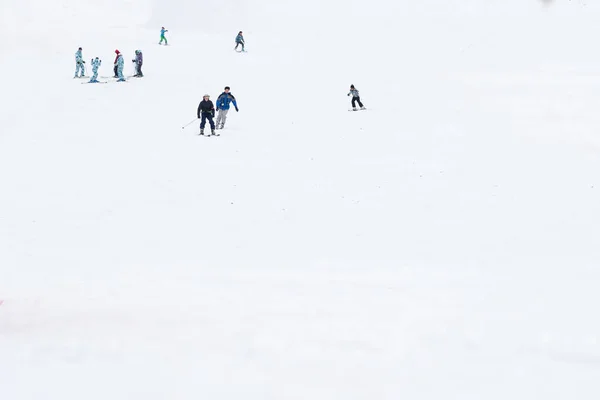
[
  {"x": 96, "y": 62},
  {"x": 239, "y": 39},
  {"x": 120, "y": 63},
  {"x": 162, "y": 36},
  {"x": 223, "y": 103},
  {"x": 79, "y": 64}
]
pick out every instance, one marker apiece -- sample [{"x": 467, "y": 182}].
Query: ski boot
[
  {"x": 363, "y": 108},
  {"x": 202, "y": 132},
  {"x": 354, "y": 109},
  {"x": 214, "y": 133}
]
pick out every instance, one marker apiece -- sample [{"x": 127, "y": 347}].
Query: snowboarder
[
  {"x": 139, "y": 60},
  {"x": 120, "y": 63},
  {"x": 223, "y": 104},
  {"x": 162, "y": 36},
  {"x": 206, "y": 111},
  {"x": 239, "y": 39},
  {"x": 117, "y": 52},
  {"x": 355, "y": 98},
  {"x": 79, "y": 64},
  {"x": 96, "y": 62}
]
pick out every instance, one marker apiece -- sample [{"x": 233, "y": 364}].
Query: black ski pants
[
  {"x": 116, "y": 72},
  {"x": 355, "y": 100},
  {"x": 208, "y": 117},
  {"x": 139, "y": 68}
]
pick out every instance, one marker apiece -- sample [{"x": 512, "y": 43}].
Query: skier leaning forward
[
  {"x": 355, "y": 98},
  {"x": 223, "y": 103},
  {"x": 206, "y": 111}
]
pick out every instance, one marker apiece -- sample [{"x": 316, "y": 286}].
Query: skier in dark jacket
[
  {"x": 206, "y": 110},
  {"x": 139, "y": 60},
  {"x": 239, "y": 39}
]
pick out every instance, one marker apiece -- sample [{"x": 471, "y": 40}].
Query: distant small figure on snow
[
  {"x": 115, "y": 69},
  {"x": 162, "y": 36},
  {"x": 96, "y": 62},
  {"x": 79, "y": 64},
  {"x": 119, "y": 64},
  {"x": 138, "y": 60},
  {"x": 223, "y": 104},
  {"x": 206, "y": 111},
  {"x": 355, "y": 98},
  {"x": 239, "y": 39}
]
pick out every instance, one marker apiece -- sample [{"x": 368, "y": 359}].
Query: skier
[
  {"x": 355, "y": 98},
  {"x": 223, "y": 103},
  {"x": 239, "y": 39},
  {"x": 139, "y": 60},
  {"x": 162, "y": 36},
  {"x": 117, "y": 52},
  {"x": 206, "y": 110},
  {"x": 119, "y": 65},
  {"x": 96, "y": 62},
  {"x": 79, "y": 64}
]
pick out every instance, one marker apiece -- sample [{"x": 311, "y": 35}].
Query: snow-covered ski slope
[{"x": 442, "y": 244}]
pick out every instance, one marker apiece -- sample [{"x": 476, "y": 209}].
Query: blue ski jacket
[
  {"x": 224, "y": 101},
  {"x": 120, "y": 61},
  {"x": 163, "y": 31},
  {"x": 239, "y": 39},
  {"x": 96, "y": 64},
  {"x": 354, "y": 93},
  {"x": 78, "y": 57}
]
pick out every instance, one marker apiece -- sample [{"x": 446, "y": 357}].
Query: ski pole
[{"x": 188, "y": 124}]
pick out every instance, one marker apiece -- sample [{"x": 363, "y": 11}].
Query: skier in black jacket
[{"x": 206, "y": 110}]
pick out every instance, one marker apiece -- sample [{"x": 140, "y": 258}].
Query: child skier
[
  {"x": 79, "y": 64},
  {"x": 223, "y": 103},
  {"x": 119, "y": 64},
  {"x": 355, "y": 98},
  {"x": 117, "y": 52},
  {"x": 239, "y": 39},
  {"x": 206, "y": 111},
  {"x": 96, "y": 62},
  {"x": 162, "y": 36},
  {"x": 139, "y": 60}
]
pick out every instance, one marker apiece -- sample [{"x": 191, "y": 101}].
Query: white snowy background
[{"x": 442, "y": 244}]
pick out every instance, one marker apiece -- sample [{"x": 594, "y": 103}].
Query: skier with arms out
[
  {"x": 119, "y": 65},
  {"x": 162, "y": 36},
  {"x": 79, "y": 64},
  {"x": 239, "y": 39},
  {"x": 96, "y": 62},
  {"x": 139, "y": 60},
  {"x": 206, "y": 111},
  {"x": 223, "y": 103},
  {"x": 355, "y": 98}
]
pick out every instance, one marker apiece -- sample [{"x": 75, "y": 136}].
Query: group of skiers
[
  {"x": 119, "y": 64},
  {"x": 206, "y": 111}
]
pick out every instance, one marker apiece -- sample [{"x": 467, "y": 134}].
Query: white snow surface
[{"x": 442, "y": 244}]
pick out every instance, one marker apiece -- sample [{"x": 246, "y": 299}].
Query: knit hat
[
  {"x": 117, "y": 51},
  {"x": 351, "y": 86}
]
